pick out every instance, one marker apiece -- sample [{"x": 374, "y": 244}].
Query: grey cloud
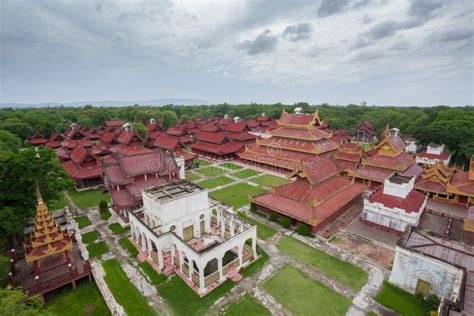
[
  {"x": 368, "y": 55},
  {"x": 423, "y": 8},
  {"x": 298, "y": 31},
  {"x": 453, "y": 35},
  {"x": 265, "y": 42},
  {"x": 366, "y": 19},
  {"x": 330, "y": 7}
]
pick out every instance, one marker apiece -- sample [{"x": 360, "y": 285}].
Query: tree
[
  {"x": 185, "y": 117},
  {"x": 17, "y": 186},
  {"x": 302, "y": 229},
  {"x": 15, "y": 302},
  {"x": 285, "y": 221},
  {"x": 140, "y": 129},
  {"x": 9, "y": 142},
  {"x": 103, "y": 206},
  {"x": 18, "y": 128},
  {"x": 169, "y": 119},
  {"x": 272, "y": 216}
]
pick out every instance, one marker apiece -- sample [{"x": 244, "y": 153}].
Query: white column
[
  {"x": 149, "y": 247},
  {"x": 144, "y": 240},
  {"x": 241, "y": 256},
  {"x": 254, "y": 246},
  {"x": 160, "y": 258},
  {"x": 173, "y": 252},
  {"x": 232, "y": 230},
  {"x": 201, "y": 277},
  {"x": 190, "y": 268},
  {"x": 219, "y": 268},
  {"x": 222, "y": 227}
]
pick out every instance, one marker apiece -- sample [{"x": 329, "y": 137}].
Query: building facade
[{"x": 433, "y": 154}]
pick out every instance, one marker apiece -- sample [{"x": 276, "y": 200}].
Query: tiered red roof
[
  {"x": 37, "y": 139},
  {"x": 435, "y": 179},
  {"x": 82, "y": 164},
  {"x": 348, "y": 156},
  {"x": 387, "y": 157},
  {"x": 364, "y": 132},
  {"x": 128, "y": 175},
  {"x": 317, "y": 194},
  {"x": 411, "y": 203},
  {"x": 297, "y": 140}
]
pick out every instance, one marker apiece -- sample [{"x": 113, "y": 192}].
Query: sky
[{"x": 383, "y": 52}]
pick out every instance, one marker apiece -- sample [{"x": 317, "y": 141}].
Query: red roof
[
  {"x": 53, "y": 144},
  {"x": 300, "y": 133},
  {"x": 209, "y": 128},
  {"x": 107, "y": 137},
  {"x": 175, "y": 131},
  {"x": 242, "y": 137},
  {"x": 114, "y": 123},
  {"x": 126, "y": 137},
  {"x": 461, "y": 181},
  {"x": 297, "y": 119},
  {"x": 263, "y": 118},
  {"x": 411, "y": 203},
  {"x": 166, "y": 142},
  {"x": 442, "y": 156},
  {"x": 236, "y": 127},
  {"x": 219, "y": 149},
  {"x": 37, "y": 139},
  {"x": 320, "y": 170},
  {"x": 78, "y": 154},
  {"x": 215, "y": 138}
]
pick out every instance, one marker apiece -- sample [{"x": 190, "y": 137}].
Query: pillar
[
  {"x": 149, "y": 250},
  {"x": 241, "y": 254},
  {"x": 201, "y": 278},
  {"x": 173, "y": 253},
  {"x": 190, "y": 268},
  {"x": 231, "y": 227},
  {"x": 254, "y": 247},
  {"x": 160, "y": 258},
  {"x": 219, "y": 268},
  {"x": 222, "y": 227}
]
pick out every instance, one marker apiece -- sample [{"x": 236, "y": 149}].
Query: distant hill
[{"x": 157, "y": 102}]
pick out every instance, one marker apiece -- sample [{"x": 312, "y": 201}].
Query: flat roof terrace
[
  {"x": 399, "y": 179},
  {"x": 173, "y": 190}
]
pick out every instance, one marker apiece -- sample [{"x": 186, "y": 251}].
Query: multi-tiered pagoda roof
[{"x": 297, "y": 140}]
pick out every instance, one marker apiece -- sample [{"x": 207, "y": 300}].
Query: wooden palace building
[
  {"x": 298, "y": 140},
  {"x": 316, "y": 197}
]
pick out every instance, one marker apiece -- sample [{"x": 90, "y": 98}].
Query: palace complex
[{"x": 178, "y": 230}]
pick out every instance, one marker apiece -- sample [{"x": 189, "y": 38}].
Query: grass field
[
  {"x": 231, "y": 166},
  {"x": 90, "y": 237},
  {"x": 202, "y": 162},
  {"x": 401, "y": 301},
  {"x": 57, "y": 204},
  {"x": 215, "y": 182},
  {"x": 247, "y": 306},
  {"x": 83, "y": 221},
  {"x": 192, "y": 176},
  {"x": 154, "y": 277},
  {"x": 118, "y": 229},
  {"x": 268, "y": 180},
  {"x": 127, "y": 245},
  {"x": 303, "y": 296},
  {"x": 236, "y": 195},
  {"x": 337, "y": 269},
  {"x": 96, "y": 250},
  {"x": 212, "y": 171},
  {"x": 257, "y": 265},
  {"x": 84, "y": 300},
  {"x": 105, "y": 215},
  {"x": 184, "y": 301},
  {"x": 245, "y": 173},
  {"x": 124, "y": 291},
  {"x": 263, "y": 231},
  {"x": 88, "y": 198}
]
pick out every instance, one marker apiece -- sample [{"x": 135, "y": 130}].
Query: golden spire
[{"x": 386, "y": 132}]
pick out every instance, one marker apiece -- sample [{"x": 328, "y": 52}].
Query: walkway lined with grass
[
  {"x": 263, "y": 231},
  {"x": 401, "y": 301},
  {"x": 247, "y": 306},
  {"x": 88, "y": 198}
]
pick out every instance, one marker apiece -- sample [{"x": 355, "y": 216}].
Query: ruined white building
[{"x": 180, "y": 231}]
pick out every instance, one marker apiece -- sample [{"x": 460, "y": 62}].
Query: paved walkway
[{"x": 129, "y": 264}]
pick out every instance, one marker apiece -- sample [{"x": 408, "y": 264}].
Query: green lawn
[
  {"x": 57, "y": 204},
  {"x": 268, "y": 180},
  {"x": 90, "y": 237},
  {"x": 247, "y": 306},
  {"x": 301, "y": 295},
  {"x": 118, "y": 229},
  {"x": 88, "y": 198},
  {"x": 124, "y": 291},
  {"x": 127, "y": 245},
  {"x": 215, "y": 182},
  {"x": 401, "y": 301},
  {"x": 202, "y": 162},
  {"x": 83, "y": 221},
  {"x": 230, "y": 166},
  {"x": 263, "y": 231},
  {"x": 212, "y": 171},
  {"x": 105, "y": 215},
  {"x": 97, "y": 249},
  {"x": 245, "y": 173},
  {"x": 236, "y": 195},
  {"x": 192, "y": 176},
  {"x": 154, "y": 277},
  {"x": 184, "y": 301},
  {"x": 86, "y": 299},
  {"x": 339, "y": 270}
]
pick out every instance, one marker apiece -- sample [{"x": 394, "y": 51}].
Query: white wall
[{"x": 409, "y": 266}]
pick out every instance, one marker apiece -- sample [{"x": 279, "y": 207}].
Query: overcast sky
[{"x": 385, "y": 52}]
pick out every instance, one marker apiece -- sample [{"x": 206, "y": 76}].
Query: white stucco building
[
  {"x": 430, "y": 264},
  {"x": 434, "y": 153},
  {"x": 412, "y": 146},
  {"x": 394, "y": 205},
  {"x": 179, "y": 230}
]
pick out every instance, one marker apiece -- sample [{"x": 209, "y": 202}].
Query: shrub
[
  {"x": 103, "y": 206},
  {"x": 272, "y": 216},
  {"x": 285, "y": 221},
  {"x": 303, "y": 229},
  {"x": 253, "y": 207}
]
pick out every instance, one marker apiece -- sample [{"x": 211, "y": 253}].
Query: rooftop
[
  {"x": 399, "y": 179},
  {"x": 173, "y": 190}
]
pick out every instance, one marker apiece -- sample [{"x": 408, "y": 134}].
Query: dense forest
[{"x": 453, "y": 126}]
